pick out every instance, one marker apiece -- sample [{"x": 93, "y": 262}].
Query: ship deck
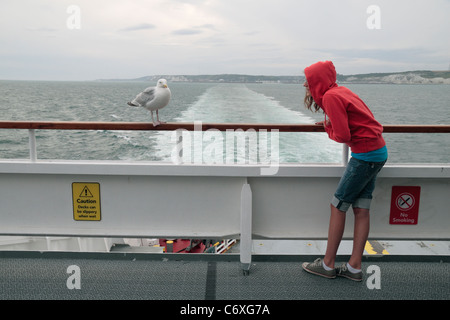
[{"x": 127, "y": 274}]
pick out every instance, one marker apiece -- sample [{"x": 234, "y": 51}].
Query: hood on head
[{"x": 321, "y": 76}]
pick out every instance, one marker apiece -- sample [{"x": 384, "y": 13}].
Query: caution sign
[
  {"x": 86, "y": 201},
  {"x": 404, "y": 205}
]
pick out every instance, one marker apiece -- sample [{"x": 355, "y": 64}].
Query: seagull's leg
[
  {"x": 157, "y": 117},
  {"x": 153, "y": 120}
]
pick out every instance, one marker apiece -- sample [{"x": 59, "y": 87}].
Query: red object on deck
[{"x": 182, "y": 246}]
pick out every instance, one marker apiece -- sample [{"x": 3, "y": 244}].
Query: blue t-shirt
[{"x": 378, "y": 155}]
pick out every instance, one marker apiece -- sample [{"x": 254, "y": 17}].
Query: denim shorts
[{"x": 356, "y": 185}]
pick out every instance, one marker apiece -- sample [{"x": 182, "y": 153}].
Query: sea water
[{"x": 211, "y": 102}]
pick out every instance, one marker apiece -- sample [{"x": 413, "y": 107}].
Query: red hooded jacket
[{"x": 351, "y": 121}]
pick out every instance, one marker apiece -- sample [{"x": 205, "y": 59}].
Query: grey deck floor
[{"x": 41, "y": 276}]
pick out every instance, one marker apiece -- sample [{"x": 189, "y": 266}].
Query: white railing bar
[
  {"x": 345, "y": 154},
  {"x": 32, "y": 143}
]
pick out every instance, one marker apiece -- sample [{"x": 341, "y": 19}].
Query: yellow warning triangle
[{"x": 85, "y": 193}]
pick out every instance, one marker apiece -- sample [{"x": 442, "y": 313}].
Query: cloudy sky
[{"x": 87, "y": 40}]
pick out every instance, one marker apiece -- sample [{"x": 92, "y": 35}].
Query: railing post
[
  {"x": 246, "y": 228},
  {"x": 32, "y": 138}
]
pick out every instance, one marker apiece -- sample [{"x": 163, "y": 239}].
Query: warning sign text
[{"x": 86, "y": 201}]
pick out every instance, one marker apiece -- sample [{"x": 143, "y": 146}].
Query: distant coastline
[{"x": 408, "y": 77}]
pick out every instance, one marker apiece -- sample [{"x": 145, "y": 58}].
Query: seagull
[{"x": 153, "y": 98}]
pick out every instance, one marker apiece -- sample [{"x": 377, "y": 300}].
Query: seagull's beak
[{"x": 165, "y": 86}]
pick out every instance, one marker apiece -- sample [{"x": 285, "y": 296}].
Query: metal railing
[
  {"x": 146, "y": 126},
  {"x": 31, "y": 126}
]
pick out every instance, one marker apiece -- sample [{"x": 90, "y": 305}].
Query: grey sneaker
[
  {"x": 343, "y": 271},
  {"x": 317, "y": 268}
]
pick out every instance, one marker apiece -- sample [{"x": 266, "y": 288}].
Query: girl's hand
[{"x": 324, "y": 123}]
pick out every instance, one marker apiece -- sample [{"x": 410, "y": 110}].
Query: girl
[{"x": 347, "y": 120}]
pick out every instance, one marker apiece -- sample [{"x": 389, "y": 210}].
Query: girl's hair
[{"x": 310, "y": 103}]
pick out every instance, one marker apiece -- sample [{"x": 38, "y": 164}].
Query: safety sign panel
[
  {"x": 404, "y": 205},
  {"x": 86, "y": 201}
]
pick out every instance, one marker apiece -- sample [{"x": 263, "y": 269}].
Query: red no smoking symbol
[{"x": 405, "y": 201}]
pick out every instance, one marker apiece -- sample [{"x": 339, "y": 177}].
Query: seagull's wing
[
  {"x": 150, "y": 90},
  {"x": 145, "y": 96}
]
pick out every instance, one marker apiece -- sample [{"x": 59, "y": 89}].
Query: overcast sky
[{"x": 87, "y": 40}]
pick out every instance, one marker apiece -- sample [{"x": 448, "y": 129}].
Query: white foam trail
[{"x": 238, "y": 104}]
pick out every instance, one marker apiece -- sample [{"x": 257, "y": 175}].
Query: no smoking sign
[
  {"x": 404, "y": 205},
  {"x": 405, "y": 201}
]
